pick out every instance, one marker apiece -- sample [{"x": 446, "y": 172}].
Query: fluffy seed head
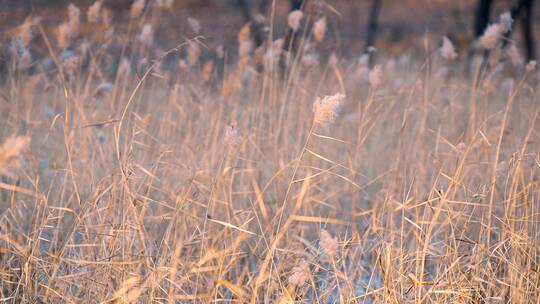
[
  {"x": 74, "y": 17},
  {"x": 137, "y": 8},
  {"x": 277, "y": 45},
  {"x": 106, "y": 17},
  {"x": 25, "y": 31},
  {"x": 10, "y": 152},
  {"x": 327, "y": 109},
  {"x": 232, "y": 135},
  {"x": 333, "y": 59},
  {"x": 328, "y": 244},
  {"x": 514, "y": 55},
  {"x": 259, "y": 18},
  {"x": 491, "y": 36},
  {"x": 164, "y": 3},
  {"x": 507, "y": 85},
  {"x": 92, "y": 15},
  {"x": 147, "y": 35},
  {"x": 208, "y": 69},
  {"x": 294, "y": 18},
  {"x": 13, "y": 147},
  {"x": 489, "y": 84},
  {"x": 505, "y": 20},
  {"x": 375, "y": 76},
  {"x": 63, "y": 35},
  {"x": 531, "y": 66},
  {"x": 448, "y": 51},
  {"x": 502, "y": 168},
  {"x": 300, "y": 274},
  {"x": 70, "y": 28},
  {"x": 319, "y": 29},
  {"x": 245, "y": 48},
  {"x": 220, "y": 53},
  {"x": 273, "y": 52},
  {"x": 183, "y": 65},
  {"x": 461, "y": 147},
  {"x": 258, "y": 55},
  {"x": 362, "y": 70},
  {"x": 310, "y": 59},
  {"x": 194, "y": 24},
  {"x": 244, "y": 34},
  {"x": 124, "y": 67}
]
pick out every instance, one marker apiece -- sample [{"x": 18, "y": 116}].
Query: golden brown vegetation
[{"x": 276, "y": 177}]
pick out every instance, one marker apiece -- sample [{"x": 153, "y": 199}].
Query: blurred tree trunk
[
  {"x": 296, "y": 4},
  {"x": 524, "y": 10},
  {"x": 119, "y": 5},
  {"x": 523, "y": 7},
  {"x": 372, "y": 27},
  {"x": 244, "y": 6},
  {"x": 373, "y": 24},
  {"x": 527, "y": 30},
  {"x": 263, "y": 6},
  {"x": 481, "y": 17}
]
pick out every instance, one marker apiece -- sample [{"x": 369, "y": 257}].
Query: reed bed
[{"x": 279, "y": 173}]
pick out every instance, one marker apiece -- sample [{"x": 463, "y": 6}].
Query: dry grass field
[{"x": 280, "y": 173}]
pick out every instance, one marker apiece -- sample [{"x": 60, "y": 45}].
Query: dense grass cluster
[{"x": 274, "y": 174}]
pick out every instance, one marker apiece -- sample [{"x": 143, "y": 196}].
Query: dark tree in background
[
  {"x": 520, "y": 11},
  {"x": 481, "y": 18},
  {"x": 524, "y": 9},
  {"x": 296, "y": 4},
  {"x": 372, "y": 26}
]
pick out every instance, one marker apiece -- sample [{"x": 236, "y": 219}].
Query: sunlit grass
[{"x": 270, "y": 174}]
